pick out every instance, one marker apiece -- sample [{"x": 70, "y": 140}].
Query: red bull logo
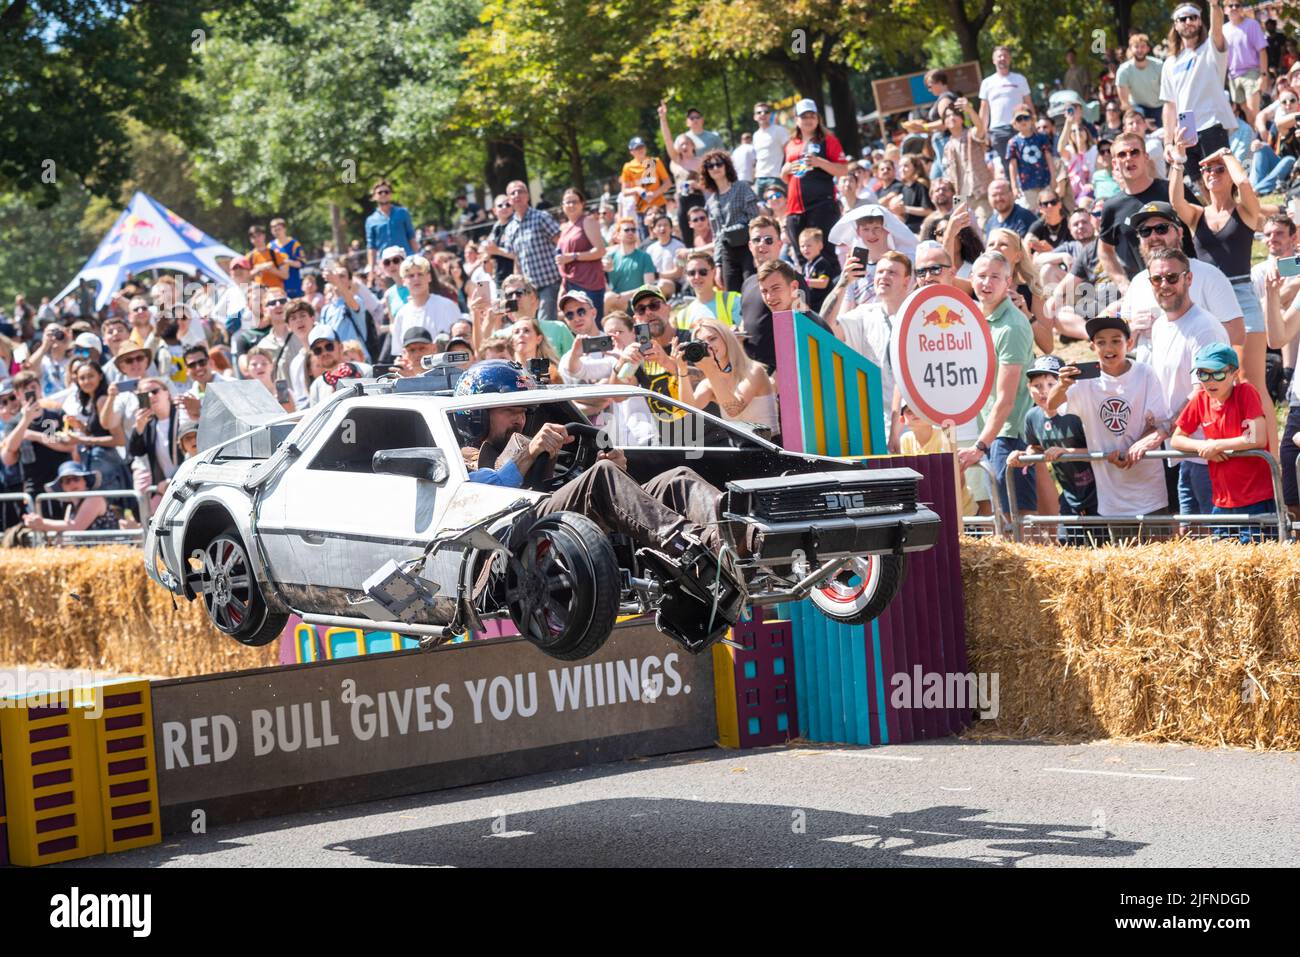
[{"x": 943, "y": 317}]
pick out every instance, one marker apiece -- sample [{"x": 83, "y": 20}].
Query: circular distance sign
[{"x": 942, "y": 352}]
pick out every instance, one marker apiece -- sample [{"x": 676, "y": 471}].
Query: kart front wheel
[
  {"x": 861, "y": 590},
  {"x": 563, "y": 588},
  {"x": 231, "y": 594}
]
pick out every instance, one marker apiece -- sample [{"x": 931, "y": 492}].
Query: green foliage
[{"x": 41, "y": 249}]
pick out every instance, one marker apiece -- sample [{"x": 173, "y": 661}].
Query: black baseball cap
[
  {"x": 1094, "y": 326},
  {"x": 417, "y": 334},
  {"x": 1151, "y": 211}
]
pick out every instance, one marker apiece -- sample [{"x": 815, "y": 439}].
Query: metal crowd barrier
[
  {"x": 1279, "y": 519},
  {"x": 133, "y": 536},
  {"x": 979, "y": 526}
]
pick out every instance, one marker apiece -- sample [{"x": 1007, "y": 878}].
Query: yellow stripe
[
  {"x": 841, "y": 405},
  {"x": 815, "y": 387}
]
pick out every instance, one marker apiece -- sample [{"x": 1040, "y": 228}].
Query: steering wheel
[{"x": 580, "y": 457}]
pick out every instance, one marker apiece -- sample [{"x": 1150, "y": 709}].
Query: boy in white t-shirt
[{"x": 1124, "y": 414}]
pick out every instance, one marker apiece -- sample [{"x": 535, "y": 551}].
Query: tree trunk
[
  {"x": 845, "y": 105},
  {"x": 336, "y": 228},
  {"x": 1123, "y": 20},
  {"x": 505, "y": 162},
  {"x": 968, "y": 28},
  {"x": 574, "y": 153}
]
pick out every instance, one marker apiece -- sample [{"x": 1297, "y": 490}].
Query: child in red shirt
[{"x": 1233, "y": 421}]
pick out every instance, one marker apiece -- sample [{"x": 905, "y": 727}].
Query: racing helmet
[{"x": 486, "y": 377}]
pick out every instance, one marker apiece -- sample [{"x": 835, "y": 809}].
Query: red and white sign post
[{"x": 944, "y": 364}]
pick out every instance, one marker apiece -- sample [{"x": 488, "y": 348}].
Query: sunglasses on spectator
[
  {"x": 1205, "y": 375},
  {"x": 502, "y": 205},
  {"x": 772, "y": 197},
  {"x": 699, "y": 219},
  {"x": 699, "y": 272},
  {"x": 762, "y": 240},
  {"x": 1166, "y": 279},
  {"x": 715, "y": 164},
  {"x": 628, "y": 229},
  {"x": 1159, "y": 229},
  {"x": 321, "y": 348},
  {"x": 654, "y": 305},
  {"x": 148, "y": 393},
  {"x": 139, "y": 308},
  {"x": 1049, "y": 202},
  {"x": 574, "y": 313},
  {"x": 1216, "y": 169},
  {"x": 273, "y": 303},
  {"x": 930, "y": 270},
  {"x": 1096, "y": 214},
  {"x": 195, "y": 363},
  {"x": 6, "y": 399},
  {"x": 762, "y": 112},
  {"x": 1128, "y": 154},
  {"x": 132, "y": 360},
  {"x": 383, "y": 192},
  {"x": 394, "y": 260},
  {"x": 1023, "y": 118},
  {"x": 1192, "y": 17}
]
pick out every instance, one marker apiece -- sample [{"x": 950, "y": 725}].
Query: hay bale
[
  {"x": 1195, "y": 641},
  {"x": 95, "y": 608}
]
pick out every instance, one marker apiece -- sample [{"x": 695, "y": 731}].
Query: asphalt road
[{"x": 950, "y": 803}]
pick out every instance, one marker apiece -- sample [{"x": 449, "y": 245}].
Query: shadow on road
[{"x": 640, "y": 832}]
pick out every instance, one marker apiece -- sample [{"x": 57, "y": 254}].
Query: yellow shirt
[{"x": 909, "y": 444}]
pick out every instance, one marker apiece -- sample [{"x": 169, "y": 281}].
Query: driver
[{"x": 676, "y": 512}]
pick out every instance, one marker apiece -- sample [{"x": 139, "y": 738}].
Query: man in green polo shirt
[{"x": 1004, "y": 416}]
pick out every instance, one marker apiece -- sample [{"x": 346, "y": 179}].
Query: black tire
[
  {"x": 862, "y": 607},
  {"x": 231, "y": 595},
  {"x": 574, "y": 564}
]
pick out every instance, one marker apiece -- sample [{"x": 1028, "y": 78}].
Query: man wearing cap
[
  {"x": 1118, "y": 250},
  {"x": 88, "y": 346},
  {"x": 659, "y": 370},
  {"x": 389, "y": 224},
  {"x": 705, "y": 140},
  {"x": 1158, "y": 228},
  {"x": 416, "y": 344},
  {"x": 644, "y": 179},
  {"x": 422, "y": 308},
  {"x": 769, "y": 148},
  {"x": 1177, "y": 334},
  {"x": 1191, "y": 81},
  {"x": 576, "y": 365},
  {"x": 530, "y": 237},
  {"x": 51, "y": 358},
  {"x": 1001, "y": 94}
]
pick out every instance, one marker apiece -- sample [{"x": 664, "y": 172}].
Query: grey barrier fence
[
  {"x": 1146, "y": 526},
  {"x": 99, "y": 536}
]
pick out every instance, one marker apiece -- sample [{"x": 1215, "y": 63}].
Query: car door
[{"x": 342, "y": 519}]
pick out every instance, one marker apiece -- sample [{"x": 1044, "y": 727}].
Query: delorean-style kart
[{"x": 359, "y": 513}]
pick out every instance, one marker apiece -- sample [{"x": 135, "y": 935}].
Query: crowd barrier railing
[
  {"x": 980, "y": 525},
  {"x": 1279, "y": 519},
  {"x": 116, "y": 535}
]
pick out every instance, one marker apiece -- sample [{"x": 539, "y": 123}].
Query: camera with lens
[
  {"x": 540, "y": 369},
  {"x": 512, "y": 303},
  {"x": 694, "y": 351}
]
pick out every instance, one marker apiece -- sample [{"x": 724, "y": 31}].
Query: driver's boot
[{"x": 704, "y": 593}]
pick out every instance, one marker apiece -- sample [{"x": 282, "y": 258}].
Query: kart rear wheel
[
  {"x": 231, "y": 594},
  {"x": 563, "y": 590},
  {"x": 861, "y": 590}
]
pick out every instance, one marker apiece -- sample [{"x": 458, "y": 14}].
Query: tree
[
  {"x": 76, "y": 72},
  {"x": 968, "y": 25}
]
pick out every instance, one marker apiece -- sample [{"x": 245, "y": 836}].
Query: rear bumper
[{"x": 841, "y": 536}]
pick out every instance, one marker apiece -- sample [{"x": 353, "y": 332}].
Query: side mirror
[{"x": 427, "y": 464}]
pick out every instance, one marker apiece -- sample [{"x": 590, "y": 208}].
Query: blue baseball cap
[
  {"x": 1044, "y": 365},
  {"x": 1215, "y": 356},
  {"x": 635, "y": 143}
]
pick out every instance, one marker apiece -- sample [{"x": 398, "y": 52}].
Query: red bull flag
[{"x": 148, "y": 236}]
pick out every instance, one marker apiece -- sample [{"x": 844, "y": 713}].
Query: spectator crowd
[{"x": 1116, "y": 219}]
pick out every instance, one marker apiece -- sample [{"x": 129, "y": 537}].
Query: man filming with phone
[
  {"x": 33, "y": 441},
  {"x": 1192, "y": 87}
]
